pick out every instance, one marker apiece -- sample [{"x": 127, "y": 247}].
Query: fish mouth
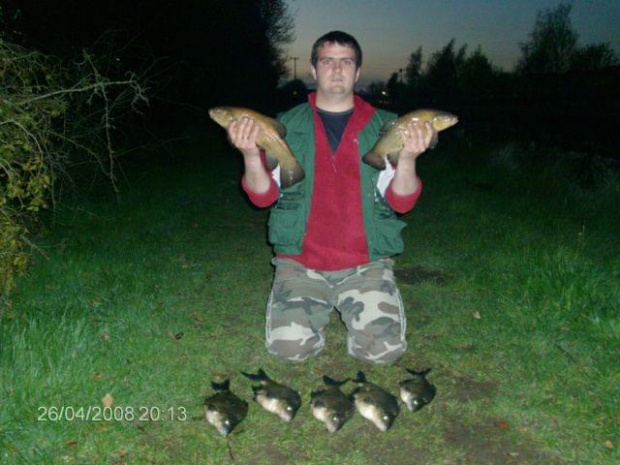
[
  {"x": 381, "y": 426},
  {"x": 286, "y": 416},
  {"x": 214, "y": 112},
  {"x": 411, "y": 406},
  {"x": 333, "y": 427}
]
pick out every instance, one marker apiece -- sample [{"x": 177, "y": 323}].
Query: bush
[{"x": 49, "y": 112}]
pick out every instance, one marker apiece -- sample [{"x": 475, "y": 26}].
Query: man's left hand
[{"x": 416, "y": 140}]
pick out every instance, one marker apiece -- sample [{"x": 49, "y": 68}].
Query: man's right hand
[{"x": 243, "y": 135}]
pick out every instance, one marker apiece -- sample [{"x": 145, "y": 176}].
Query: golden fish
[
  {"x": 270, "y": 138},
  {"x": 390, "y": 143}
]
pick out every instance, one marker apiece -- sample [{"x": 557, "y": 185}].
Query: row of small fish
[
  {"x": 272, "y": 133},
  {"x": 334, "y": 408}
]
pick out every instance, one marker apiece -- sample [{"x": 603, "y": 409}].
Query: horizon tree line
[{"x": 553, "y": 69}]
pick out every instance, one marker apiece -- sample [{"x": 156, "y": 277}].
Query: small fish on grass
[
  {"x": 224, "y": 410},
  {"x": 275, "y": 397},
  {"x": 331, "y": 405},
  {"x": 271, "y": 134},
  {"x": 375, "y": 403},
  {"x": 390, "y": 143},
  {"x": 417, "y": 392}
]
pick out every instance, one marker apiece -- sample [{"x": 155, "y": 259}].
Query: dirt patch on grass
[
  {"x": 418, "y": 274},
  {"x": 492, "y": 441},
  {"x": 397, "y": 451},
  {"x": 484, "y": 439},
  {"x": 468, "y": 390}
]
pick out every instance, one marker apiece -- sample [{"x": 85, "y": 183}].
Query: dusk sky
[{"x": 390, "y": 30}]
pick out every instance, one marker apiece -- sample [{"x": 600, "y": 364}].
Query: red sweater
[{"x": 335, "y": 237}]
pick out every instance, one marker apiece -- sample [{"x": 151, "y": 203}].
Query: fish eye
[
  {"x": 289, "y": 408},
  {"x": 227, "y": 422}
]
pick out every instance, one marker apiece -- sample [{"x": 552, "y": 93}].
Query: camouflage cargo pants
[{"x": 367, "y": 298}]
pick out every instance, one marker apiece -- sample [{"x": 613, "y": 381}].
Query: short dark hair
[{"x": 336, "y": 37}]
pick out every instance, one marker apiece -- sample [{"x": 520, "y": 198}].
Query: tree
[
  {"x": 595, "y": 57},
  {"x": 210, "y": 51},
  {"x": 443, "y": 72},
  {"x": 376, "y": 90},
  {"x": 279, "y": 28},
  {"x": 413, "y": 71},
  {"x": 552, "y": 44},
  {"x": 395, "y": 90},
  {"x": 51, "y": 115},
  {"x": 477, "y": 77},
  {"x": 290, "y": 94}
]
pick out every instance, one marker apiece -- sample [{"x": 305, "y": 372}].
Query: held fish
[
  {"x": 270, "y": 138},
  {"x": 275, "y": 397},
  {"x": 417, "y": 391},
  {"x": 375, "y": 403},
  {"x": 224, "y": 410},
  {"x": 390, "y": 142},
  {"x": 331, "y": 405}
]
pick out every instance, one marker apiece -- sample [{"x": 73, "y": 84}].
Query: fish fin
[
  {"x": 387, "y": 127},
  {"x": 260, "y": 376},
  {"x": 271, "y": 161},
  {"x": 375, "y": 160},
  {"x": 434, "y": 141},
  {"x": 223, "y": 386},
  {"x": 361, "y": 377},
  {"x": 393, "y": 158},
  {"x": 288, "y": 177},
  {"x": 332, "y": 382},
  {"x": 277, "y": 125}
]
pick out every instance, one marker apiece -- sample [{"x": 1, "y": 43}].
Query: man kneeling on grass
[{"x": 334, "y": 232}]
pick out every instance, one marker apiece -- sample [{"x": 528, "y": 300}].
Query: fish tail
[
  {"x": 332, "y": 382},
  {"x": 374, "y": 159},
  {"x": 223, "y": 386},
  {"x": 259, "y": 376},
  {"x": 419, "y": 373}
]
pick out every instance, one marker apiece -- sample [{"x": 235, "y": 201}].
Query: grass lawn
[{"x": 511, "y": 279}]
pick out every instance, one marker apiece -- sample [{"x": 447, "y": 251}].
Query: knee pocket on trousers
[{"x": 293, "y": 350}]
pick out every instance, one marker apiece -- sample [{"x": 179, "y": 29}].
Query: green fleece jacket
[{"x": 289, "y": 216}]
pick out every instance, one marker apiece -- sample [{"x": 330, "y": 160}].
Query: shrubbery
[{"x": 51, "y": 113}]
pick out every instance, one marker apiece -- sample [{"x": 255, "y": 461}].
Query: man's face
[{"x": 335, "y": 71}]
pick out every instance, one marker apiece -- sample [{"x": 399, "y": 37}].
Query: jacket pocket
[
  {"x": 285, "y": 223},
  {"x": 388, "y": 230}
]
